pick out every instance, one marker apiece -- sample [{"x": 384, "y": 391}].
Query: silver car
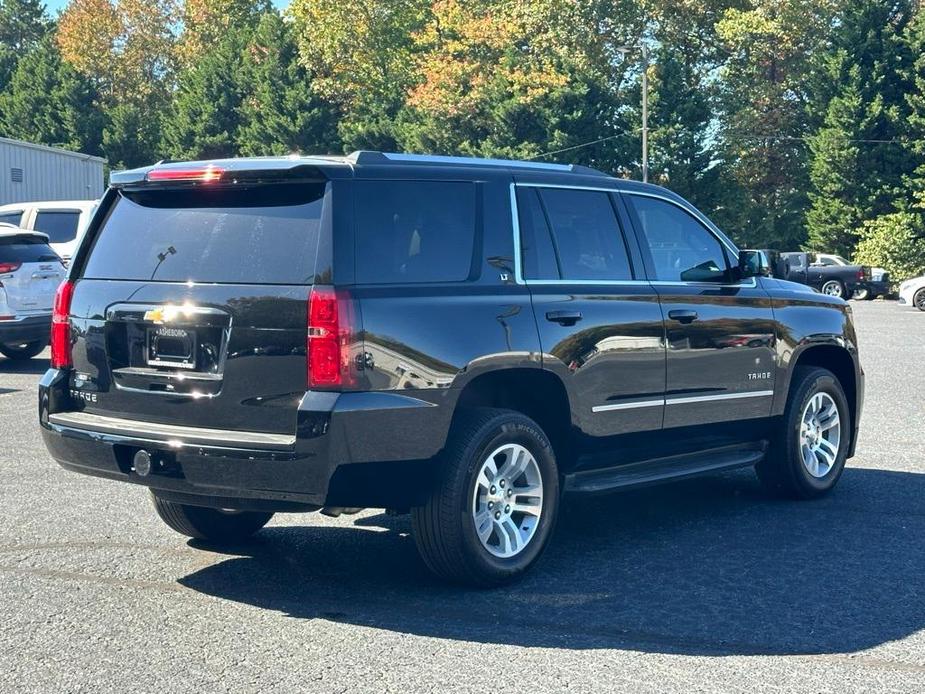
[{"x": 30, "y": 272}]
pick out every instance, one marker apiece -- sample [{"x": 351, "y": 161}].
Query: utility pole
[
  {"x": 644, "y": 50},
  {"x": 645, "y": 112}
]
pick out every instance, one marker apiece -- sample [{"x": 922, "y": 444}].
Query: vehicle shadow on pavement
[
  {"x": 710, "y": 566},
  {"x": 35, "y": 367}
]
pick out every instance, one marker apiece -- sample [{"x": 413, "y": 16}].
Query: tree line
[{"x": 793, "y": 123}]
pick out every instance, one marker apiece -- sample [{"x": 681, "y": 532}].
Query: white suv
[
  {"x": 64, "y": 221},
  {"x": 30, "y": 272}
]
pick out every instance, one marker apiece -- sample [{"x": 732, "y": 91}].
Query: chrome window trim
[
  {"x": 693, "y": 212},
  {"x": 685, "y": 400},
  {"x": 518, "y": 261}
]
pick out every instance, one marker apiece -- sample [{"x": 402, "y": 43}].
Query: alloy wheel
[
  {"x": 820, "y": 435},
  {"x": 507, "y": 500}
]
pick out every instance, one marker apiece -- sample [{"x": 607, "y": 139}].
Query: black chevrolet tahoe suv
[{"x": 466, "y": 340}]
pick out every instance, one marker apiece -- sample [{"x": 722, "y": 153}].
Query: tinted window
[
  {"x": 586, "y": 235},
  {"x": 261, "y": 235},
  {"x": 683, "y": 250},
  {"x": 536, "y": 249},
  {"x": 13, "y": 218},
  {"x": 414, "y": 231},
  {"x": 25, "y": 250},
  {"x": 60, "y": 225}
]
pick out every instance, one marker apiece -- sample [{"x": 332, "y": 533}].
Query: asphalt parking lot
[{"x": 705, "y": 585}]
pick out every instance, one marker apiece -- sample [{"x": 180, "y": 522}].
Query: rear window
[
  {"x": 13, "y": 218},
  {"x": 25, "y": 250},
  {"x": 60, "y": 225},
  {"x": 260, "y": 235},
  {"x": 414, "y": 231}
]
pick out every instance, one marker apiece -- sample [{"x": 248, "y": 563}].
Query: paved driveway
[{"x": 700, "y": 586}]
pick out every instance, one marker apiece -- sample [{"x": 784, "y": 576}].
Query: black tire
[
  {"x": 782, "y": 471},
  {"x": 444, "y": 529},
  {"x": 862, "y": 295},
  {"x": 209, "y": 523},
  {"x": 24, "y": 351},
  {"x": 918, "y": 299}
]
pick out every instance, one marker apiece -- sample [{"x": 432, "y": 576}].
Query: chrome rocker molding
[{"x": 683, "y": 400}]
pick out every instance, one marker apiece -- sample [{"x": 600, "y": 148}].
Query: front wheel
[
  {"x": 494, "y": 506},
  {"x": 919, "y": 300},
  {"x": 834, "y": 288},
  {"x": 807, "y": 456},
  {"x": 215, "y": 525},
  {"x": 23, "y": 351}
]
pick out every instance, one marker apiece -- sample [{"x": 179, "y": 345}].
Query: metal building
[{"x": 30, "y": 172}]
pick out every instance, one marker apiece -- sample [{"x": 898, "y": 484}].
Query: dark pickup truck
[
  {"x": 465, "y": 340},
  {"x": 829, "y": 278}
]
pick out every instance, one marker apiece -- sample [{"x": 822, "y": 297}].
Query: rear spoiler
[
  {"x": 270, "y": 169},
  {"x": 20, "y": 234}
]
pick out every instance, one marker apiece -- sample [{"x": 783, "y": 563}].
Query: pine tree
[
  {"x": 915, "y": 100},
  {"x": 23, "y": 23},
  {"x": 858, "y": 164},
  {"x": 204, "y": 119},
  {"x": 279, "y": 111},
  {"x": 681, "y": 157},
  {"x": 47, "y": 102}
]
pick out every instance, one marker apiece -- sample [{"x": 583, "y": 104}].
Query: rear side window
[
  {"x": 60, "y": 225},
  {"x": 414, "y": 231},
  {"x": 25, "y": 250},
  {"x": 13, "y": 218},
  {"x": 260, "y": 235},
  {"x": 586, "y": 235},
  {"x": 683, "y": 250}
]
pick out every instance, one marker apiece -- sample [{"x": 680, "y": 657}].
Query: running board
[{"x": 664, "y": 469}]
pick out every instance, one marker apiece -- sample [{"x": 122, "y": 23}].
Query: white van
[{"x": 63, "y": 221}]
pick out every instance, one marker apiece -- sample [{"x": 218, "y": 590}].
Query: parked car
[
  {"x": 912, "y": 292},
  {"x": 879, "y": 284},
  {"x": 459, "y": 338},
  {"x": 63, "y": 221},
  {"x": 30, "y": 272},
  {"x": 841, "y": 281}
]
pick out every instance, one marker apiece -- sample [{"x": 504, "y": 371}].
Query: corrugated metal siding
[{"x": 48, "y": 174}]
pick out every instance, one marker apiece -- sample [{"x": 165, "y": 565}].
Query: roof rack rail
[{"x": 366, "y": 157}]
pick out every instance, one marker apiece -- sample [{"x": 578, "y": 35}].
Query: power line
[{"x": 582, "y": 145}]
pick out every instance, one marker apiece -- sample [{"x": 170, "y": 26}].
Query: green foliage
[
  {"x": 23, "y": 23},
  {"x": 204, "y": 120},
  {"x": 895, "y": 242},
  {"x": 280, "y": 111},
  {"x": 46, "y": 101},
  {"x": 857, "y": 168},
  {"x": 131, "y": 136}
]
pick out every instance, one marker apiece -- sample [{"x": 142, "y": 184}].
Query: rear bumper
[
  {"x": 878, "y": 288},
  {"x": 25, "y": 329},
  {"x": 235, "y": 469}
]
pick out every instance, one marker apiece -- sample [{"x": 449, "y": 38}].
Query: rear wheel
[
  {"x": 23, "y": 351},
  {"x": 861, "y": 294},
  {"x": 808, "y": 455},
  {"x": 494, "y": 506},
  {"x": 217, "y": 525},
  {"x": 834, "y": 288}
]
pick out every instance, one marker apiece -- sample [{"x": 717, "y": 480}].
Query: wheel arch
[
  {"x": 836, "y": 356},
  {"x": 536, "y": 393}
]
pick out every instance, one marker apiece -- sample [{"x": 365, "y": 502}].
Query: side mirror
[{"x": 753, "y": 264}]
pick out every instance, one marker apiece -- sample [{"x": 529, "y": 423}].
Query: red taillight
[
  {"x": 861, "y": 274},
  {"x": 329, "y": 335},
  {"x": 9, "y": 267},
  {"x": 61, "y": 327},
  {"x": 205, "y": 174}
]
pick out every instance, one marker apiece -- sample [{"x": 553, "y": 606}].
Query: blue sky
[{"x": 55, "y": 5}]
